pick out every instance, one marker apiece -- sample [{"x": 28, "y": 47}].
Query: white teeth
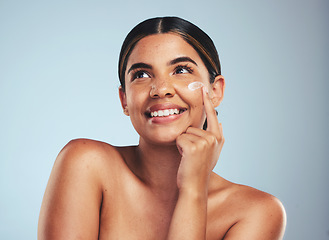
[{"x": 164, "y": 113}]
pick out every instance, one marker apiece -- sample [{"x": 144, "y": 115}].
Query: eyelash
[
  {"x": 137, "y": 72},
  {"x": 178, "y": 67},
  {"x": 186, "y": 67}
]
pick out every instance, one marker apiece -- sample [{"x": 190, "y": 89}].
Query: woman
[{"x": 163, "y": 188}]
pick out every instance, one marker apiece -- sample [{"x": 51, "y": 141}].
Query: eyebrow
[
  {"x": 139, "y": 65},
  {"x": 182, "y": 59},
  {"x": 172, "y": 62}
]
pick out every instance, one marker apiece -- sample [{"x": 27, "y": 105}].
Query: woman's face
[{"x": 156, "y": 96}]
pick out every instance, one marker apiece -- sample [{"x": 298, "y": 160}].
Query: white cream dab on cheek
[{"x": 195, "y": 85}]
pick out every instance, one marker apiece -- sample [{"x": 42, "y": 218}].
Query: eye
[
  {"x": 180, "y": 69},
  {"x": 140, "y": 74}
]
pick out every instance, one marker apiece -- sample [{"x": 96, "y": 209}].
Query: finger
[
  {"x": 183, "y": 143},
  {"x": 193, "y": 138},
  {"x": 208, "y": 136},
  {"x": 212, "y": 122},
  {"x": 196, "y": 131},
  {"x": 190, "y": 144},
  {"x": 199, "y": 132}
]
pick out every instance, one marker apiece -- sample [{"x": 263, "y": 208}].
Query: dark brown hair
[{"x": 192, "y": 34}]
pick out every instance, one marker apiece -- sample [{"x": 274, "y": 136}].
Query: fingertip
[
  {"x": 205, "y": 89},
  {"x": 205, "y": 94}
]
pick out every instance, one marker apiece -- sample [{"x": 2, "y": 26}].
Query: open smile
[{"x": 166, "y": 110}]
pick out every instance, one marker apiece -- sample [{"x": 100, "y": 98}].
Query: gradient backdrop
[{"x": 58, "y": 81}]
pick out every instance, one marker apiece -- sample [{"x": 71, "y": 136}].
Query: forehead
[{"x": 162, "y": 48}]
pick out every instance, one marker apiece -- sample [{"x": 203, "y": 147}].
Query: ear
[
  {"x": 218, "y": 88},
  {"x": 123, "y": 100}
]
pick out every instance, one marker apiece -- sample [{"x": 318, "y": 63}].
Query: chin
[{"x": 167, "y": 138}]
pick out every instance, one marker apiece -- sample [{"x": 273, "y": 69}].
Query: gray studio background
[{"x": 58, "y": 81}]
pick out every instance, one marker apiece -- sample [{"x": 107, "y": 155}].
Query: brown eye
[
  {"x": 183, "y": 69},
  {"x": 140, "y": 74}
]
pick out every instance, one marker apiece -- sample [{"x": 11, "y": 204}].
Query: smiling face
[{"x": 157, "y": 97}]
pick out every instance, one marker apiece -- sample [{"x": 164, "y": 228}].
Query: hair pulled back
[{"x": 192, "y": 34}]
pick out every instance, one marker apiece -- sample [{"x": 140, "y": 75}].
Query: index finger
[{"x": 212, "y": 121}]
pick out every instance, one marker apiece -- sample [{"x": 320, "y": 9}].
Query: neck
[{"x": 157, "y": 166}]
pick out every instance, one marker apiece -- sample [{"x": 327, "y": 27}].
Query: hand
[{"x": 200, "y": 150}]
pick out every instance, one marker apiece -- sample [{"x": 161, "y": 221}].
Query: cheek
[
  {"x": 195, "y": 102},
  {"x": 135, "y": 99},
  {"x": 192, "y": 97}
]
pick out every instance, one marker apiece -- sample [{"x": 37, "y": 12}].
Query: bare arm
[
  {"x": 190, "y": 217},
  {"x": 70, "y": 208},
  {"x": 200, "y": 151}
]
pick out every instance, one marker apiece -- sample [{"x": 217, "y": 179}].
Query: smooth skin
[{"x": 163, "y": 188}]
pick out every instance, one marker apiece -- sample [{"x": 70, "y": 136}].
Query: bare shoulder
[
  {"x": 258, "y": 215},
  {"x": 75, "y": 183},
  {"x": 89, "y": 155},
  {"x": 259, "y": 205},
  {"x": 82, "y": 146}
]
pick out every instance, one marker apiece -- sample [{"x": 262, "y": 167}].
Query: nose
[{"x": 161, "y": 88}]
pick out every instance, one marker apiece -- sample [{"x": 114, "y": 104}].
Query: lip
[{"x": 164, "y": 106}]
